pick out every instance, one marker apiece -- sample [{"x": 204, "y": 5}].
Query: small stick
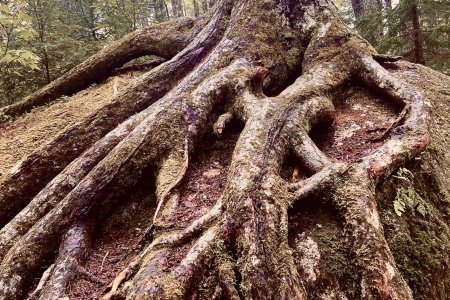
[
  {"x": 115, "y": 284},
  {"x": 394, "y": 124},
  {"x": 103, "y": 261}
]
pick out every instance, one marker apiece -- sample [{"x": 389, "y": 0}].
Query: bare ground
[
  {"x": 30, "y": 131},
  {"x": 118, "y": 242},
  {"x": 361, "y": 118}
]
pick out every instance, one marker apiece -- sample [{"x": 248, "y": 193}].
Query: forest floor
[
  {"x": 30, "y": 131},
  {"x": 118, "y": 242},
  {"x": 360, "y": 120}
]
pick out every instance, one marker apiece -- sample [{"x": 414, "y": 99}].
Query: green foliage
[
  {"x": 391, "y": 30},
  {"x": 24, "y": 57},
  {"x": 42, "y": 39},
  {"x": 434, "y": 32},
  {"x": 16, "y": 59},
  {"x": 407, "y": 197}
]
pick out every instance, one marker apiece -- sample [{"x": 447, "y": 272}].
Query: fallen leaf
[{"x": 211, "y": 173}]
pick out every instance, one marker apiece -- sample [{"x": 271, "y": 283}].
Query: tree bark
[
  {"x": 326, "y": 230},
  {"x": 417, "y": 35},
  {"x": 369, "y": 19},
  {"x": 177, "y": 8}
]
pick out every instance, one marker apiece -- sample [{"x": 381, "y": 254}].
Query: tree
[
  {"x": 196, "y": 8},
  {"x": 279, "y": 68},
  {"x": 416, "y": 29},
  {"x": 177, "y": 8},
  {"x": 369, "y": 19},
  {"x": 417, "y": 34},
  {"x": 15, "y": 59}
]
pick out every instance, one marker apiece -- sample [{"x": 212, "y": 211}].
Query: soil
[
  {"x": 118, "y": 242},
  {"x": 361, "y": 118},
  {"x": 205, "y": 179},
  {"x": 27, "y": 133}
]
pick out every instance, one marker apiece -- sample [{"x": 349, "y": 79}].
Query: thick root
[
  {"x": 155, "y": 281},
  {"x": 29, "y": 176},
  {"x": 407, "y": 140},
  {"x": 163, "y": 40},
  {"x": 380, "y": 276},
  {"x": 68, "y": 264},
  {"x": 62, "y": 184}
]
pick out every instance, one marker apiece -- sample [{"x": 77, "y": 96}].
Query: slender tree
[
  {"x": 196, "y": 8},
  {"x": 177, "y": 8},
  {"x": 369, "y": 21},
  {"x": 160, "y": 11},
  {"x": 205, "y": 6},
  {"x": 417, "y": 34}
]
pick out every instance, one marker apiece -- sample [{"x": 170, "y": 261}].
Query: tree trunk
[
  {"x": 177, "y": 8},
  {"x": 369, "y": 19},
  {"x": 417, "y": 35},
  {"x": 160, "y": 8},
  {"x": 319, "y": 196},
  {"x": 204, "y": 6},
  {"x": 362, "y": 8},
  {"x": 196, "y": 8}
]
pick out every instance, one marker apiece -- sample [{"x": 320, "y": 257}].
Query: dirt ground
[
  {"x": 27, "y": 133},
  {"x": 117, "y": 243},
  {"x": 361, "y": 118}
]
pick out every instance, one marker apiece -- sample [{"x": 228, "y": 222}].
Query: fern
[{"x": 406, "y": 196}]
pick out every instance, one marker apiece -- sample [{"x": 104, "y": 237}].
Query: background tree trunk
[
  {"x": 177, "y": 8},
  {"x": 160, "y": 11},
  {"x": 362, "y": 8},
  {"x": 417, "y": 35},
  {"x": 369, "y": 20},
  {"x": 273, "y": 154},
  {"x": 196, "y": 8},
  {"x": 205, "y": 6}
]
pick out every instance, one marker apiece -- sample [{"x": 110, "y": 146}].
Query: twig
[
  {"x": 394, "y": 124},
  {"x": 103, "y": 261}
]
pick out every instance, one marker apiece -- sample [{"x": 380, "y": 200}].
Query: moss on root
[
  {"x": 240, "y": 247},
  {"x": 420, "y": 244}
]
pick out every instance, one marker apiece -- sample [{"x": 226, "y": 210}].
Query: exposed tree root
[
  {"x": 241, "y": 244},
  {"x": 23, "y": 182},
  {"x": 139, "y": 67},
  {"x": 71, "y": 255},
  {"x": 114, "y": 285},
  {"x": 163, "y": 40}
]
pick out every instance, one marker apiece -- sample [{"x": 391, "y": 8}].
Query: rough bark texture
[
  {"x": 417, "y": 34},
  {"x": 282, "y": 69}
]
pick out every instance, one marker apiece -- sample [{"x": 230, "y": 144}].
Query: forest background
[{"x": 42, "y": 39}]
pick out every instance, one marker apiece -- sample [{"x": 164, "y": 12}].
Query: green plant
[{"x": 406, "y": 196}]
